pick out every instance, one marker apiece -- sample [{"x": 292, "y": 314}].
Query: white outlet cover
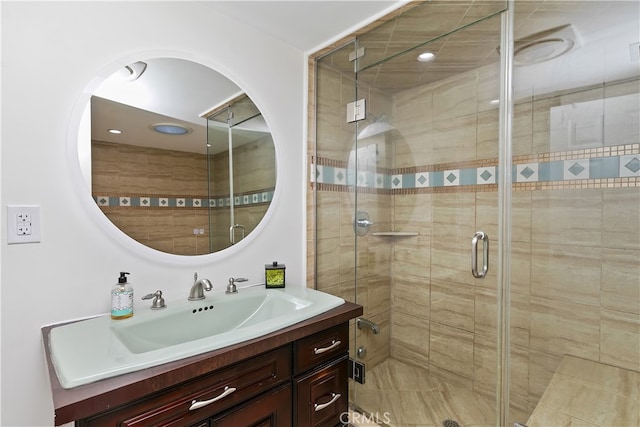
[{"x": 12, "y": 224}]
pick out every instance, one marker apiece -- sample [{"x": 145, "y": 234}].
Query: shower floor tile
[{"x": 400, "y": 395}]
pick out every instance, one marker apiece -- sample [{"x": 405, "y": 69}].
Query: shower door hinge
[
  {"x": 356, "y": 371},
  {"x": 356, "y": 111},
  {"x": 358, "y": 53}
]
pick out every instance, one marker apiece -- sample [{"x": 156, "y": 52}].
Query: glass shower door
[
  {"x": 425, "y": 166},
  {"x": 575, "y": 302}
]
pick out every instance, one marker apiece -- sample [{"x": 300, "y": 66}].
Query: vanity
[{"x": 294, "y": 376}]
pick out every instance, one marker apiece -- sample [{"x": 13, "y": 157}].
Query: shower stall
[
  {"x": 240, "y": 169},
  {"x": 475, "y": 185}
]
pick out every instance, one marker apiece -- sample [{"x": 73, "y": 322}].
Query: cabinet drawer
[
  {"x": 320, "y": 347},
  {"x": 199, "y": 399},
  {"x": 321, "y": 397},
  {"x": 272, "y": 409}
]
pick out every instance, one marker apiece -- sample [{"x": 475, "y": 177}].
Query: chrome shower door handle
[{"x": 480, "y": 235}]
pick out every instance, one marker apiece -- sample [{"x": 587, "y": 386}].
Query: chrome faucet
[{"x": 197, "y": 292}]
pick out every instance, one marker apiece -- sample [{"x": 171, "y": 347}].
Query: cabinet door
[
  {"x": 270, "y": 410},
  {"x": 320, "y": 397},
  {"x": 202, "y": 398}
]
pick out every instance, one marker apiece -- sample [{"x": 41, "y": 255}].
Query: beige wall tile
[
  {"x": 454, "y": 139},
  {"x": 452, "y": 304},
  {"x": 328, "y": 214},
  {"x": 450, "y": 261},
  {"x": 486, "y": 316},
  {"x": 567, "y": 273},
  {"x": 378, "y": 345},
  {"x": 487, "y": 134},
  {"x": 411, "y": 255},
  {"x": 411, "y": 295},
  {"x": 328, "y": 269},
  {"x": 454, "y": 215},
  {"x": 621, "y": 280},
  {"x": 410, "y": 339},
  {"x": 567, "y": 217},
  {"x": 561, "y": 327},
  {"x": 455, "y": 97},
  {"x": 620, "y": 225},
  {"x": 520, "y": 268},
  {"x": 451, "y": 349},
  {"x": 522, "y": 133},
  {"x": 412, "y": 212},
  {"x": 620, "y": 339}
]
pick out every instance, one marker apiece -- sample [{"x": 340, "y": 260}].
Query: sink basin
[{"x": 98, "y": 348}]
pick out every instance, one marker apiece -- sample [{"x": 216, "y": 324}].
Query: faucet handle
[
  {"x": 158, "y": 300},
  {"x": 231, "y": 287}
]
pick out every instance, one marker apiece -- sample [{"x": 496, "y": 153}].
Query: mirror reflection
[{"x": 166, "y": 169}]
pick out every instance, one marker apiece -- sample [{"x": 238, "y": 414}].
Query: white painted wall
[{"x": 50, "y": 52}]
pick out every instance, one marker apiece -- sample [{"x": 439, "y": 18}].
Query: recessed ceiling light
[
  {"x": 171, "y": 129},
  {"x": 426, "y": 57},
  {"x": 115, "y": 131}
]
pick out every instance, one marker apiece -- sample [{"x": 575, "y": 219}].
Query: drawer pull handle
[
  {"x": 199, "y": 404},
  {"x": 333, "y": 345},
  {"x": 334, "y": 397}
]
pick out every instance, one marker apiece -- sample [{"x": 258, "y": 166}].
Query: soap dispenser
[{"x": 122, "y": 298}]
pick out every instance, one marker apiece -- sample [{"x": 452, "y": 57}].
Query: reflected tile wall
[{"x": 158, "y": 197}]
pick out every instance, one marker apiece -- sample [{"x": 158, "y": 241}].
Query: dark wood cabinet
[
  {"x": 204, "y": 397},
  {"x": 294, "y": 377},
  {"x": 300, "y": 384},
  {"x": 321, "y": 396},
  {"x": 270, "y": 410}
]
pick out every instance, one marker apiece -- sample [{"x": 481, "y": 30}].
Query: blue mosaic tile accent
[
  {"x": 436, "y": 179},
  {"x": 552, "y": 171},
  {"x": 409, "y": 180},
  {"x": 468, "y": 176},
  {"x": 605, "y": 167},
  {"x": 180, "y": 202}
]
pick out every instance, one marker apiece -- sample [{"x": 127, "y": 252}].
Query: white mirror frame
[{"x": 80, "y": 127}]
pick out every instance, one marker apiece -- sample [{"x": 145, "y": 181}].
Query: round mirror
[{"x": 179, "y": 159}]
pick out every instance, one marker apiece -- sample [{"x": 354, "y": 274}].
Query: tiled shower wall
[
  {"x": 159, "y": 197},
  {"x": 575, "y": 244}
]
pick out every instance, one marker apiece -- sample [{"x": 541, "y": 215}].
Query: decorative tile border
[
  {"x": 241, "y": 200},
  {"x": 608, "y": 167}
]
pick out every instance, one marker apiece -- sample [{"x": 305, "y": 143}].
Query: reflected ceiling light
[
  {"x": 426, "y": 57},
  {"x": 171, "y": 129},
  {"x": 494, "y": 102},
  {"x": 114, "y": 131},
  {"x": 133, "y": 71}
]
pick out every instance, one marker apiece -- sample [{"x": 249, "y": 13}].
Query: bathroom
[
  {"x": 397, "y": 208},
  {"x": 68, "y": 275}
]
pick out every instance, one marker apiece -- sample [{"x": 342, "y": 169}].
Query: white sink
[{"x": 98, "y": 348}]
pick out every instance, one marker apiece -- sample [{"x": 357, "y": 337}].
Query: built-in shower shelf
[{"x": 395, "y": 233}]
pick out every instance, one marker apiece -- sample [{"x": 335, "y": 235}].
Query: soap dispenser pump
[{"x": 122, "y": 298}]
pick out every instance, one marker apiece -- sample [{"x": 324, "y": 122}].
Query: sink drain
[{"x": 450, "y": 423}]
